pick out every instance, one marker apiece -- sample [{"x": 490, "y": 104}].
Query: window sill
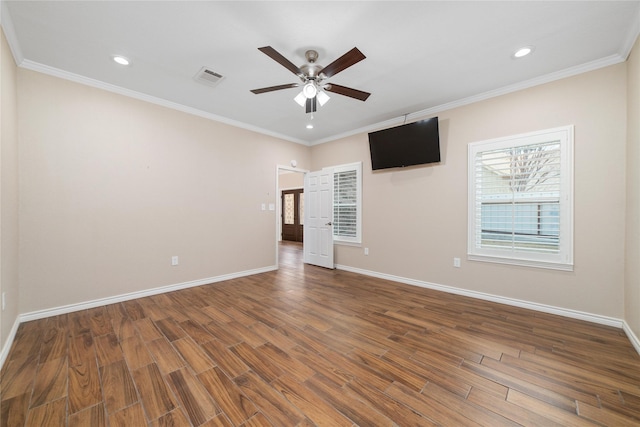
[
  {"x": 346, "y": 243},
  {"x": 521, "y": 262}
]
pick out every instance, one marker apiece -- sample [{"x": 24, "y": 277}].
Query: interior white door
[{"x": 318, "y": 218}]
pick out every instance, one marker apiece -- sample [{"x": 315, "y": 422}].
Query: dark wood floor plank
[
  {"x": 197, "y": 332},
  {"x": 306, "y": 346},
  {"x": 287, "y": 363},
  {"x": 147, "y": 329},
  {"x": 316, "y": 409},
  {"x": 135, "y": 352},
  {"x": 84, "y": 386},
  {"x": 94, "y": 416},
  {"x": 117, "y": 386},
  {"x": 51, "y": 382},
  {"x": 193, "y": 355},
  {"x": 350, "y": 406},
  {"x": 79, "y": 322},
  {"x": 262, "y": 366},
  {"x": 465, "y": 407},
  {"x": 18, "y": 376},
  {"x": 409, "y": 377},
  {"x": 428, "y": 406},
  {"x": 99, "y": 322},
  {"x": 165, "y": 355},
  {"x": 516, "y": 383},
  {"x": 571, "y": 391},
  {"x": 27, "y": 342},
  {"x": 398, "y": 412},
  {"x": 52, "y": 413},
  {"x": 175, "y": 418},
  {"x": 258, "y": 420},
  {"x": 194, "y": 398},
  {"x": 604, "y": 416},
  {"x": 54, "y": 344},
  {"x": 235, "y": 404},
  {"x": 127, "y": 417},
  {"x": 13, "y": 411},
  {"x": 170, "y": 328},
  {"x": 552, "y": 412},
  {"x": 108, "y": 349},
  {"x": 268, "y": 400},
  {"x": 156, "y": 398},
  {"x": 499, "y": 405},
  {"x": 231, "y": 364},
  {"x": 81, "y": 349}
]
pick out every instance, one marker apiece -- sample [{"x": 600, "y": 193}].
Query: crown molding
[
  {"x": 10, "y": 33},
  {"x": 548, "y": 78},
  {"x": 66, "y": 75},
  {"x": 632, "y": 36}
]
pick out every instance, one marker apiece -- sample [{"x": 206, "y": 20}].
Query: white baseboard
[
  {"x": 574, "y": 314},
  {"x": 635, "y": 342},
  {"x": 41, "y": 314},
  {"x": 7, "y": 344},
  {"x": 594, "y": 318}
]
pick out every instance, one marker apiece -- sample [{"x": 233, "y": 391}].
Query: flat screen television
[{"x": 412, "y": 144}]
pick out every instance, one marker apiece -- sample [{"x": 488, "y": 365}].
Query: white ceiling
[{"x": 422, "y": 57}]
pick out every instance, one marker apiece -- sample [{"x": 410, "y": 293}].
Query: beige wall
[
  {"x": 291, "y": 180},
  {"x": 415, "y": 220},
  {"x": 632, "y": 276},
  {"x": 8, "y": 191},
  {"x": 111, "y": 188}
]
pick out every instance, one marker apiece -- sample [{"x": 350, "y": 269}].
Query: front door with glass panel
[{"x": 292, "y": 215}]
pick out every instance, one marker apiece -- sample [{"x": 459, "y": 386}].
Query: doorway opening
[
  {"x": 292, "y": 218},
  {"x": 289, "y": 215}
]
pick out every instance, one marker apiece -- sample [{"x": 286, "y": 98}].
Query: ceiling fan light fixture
[
  {"x": 309, "y": 90},
  {"x": 300, "y": 99},
  {"x": 322, "y": 98}
]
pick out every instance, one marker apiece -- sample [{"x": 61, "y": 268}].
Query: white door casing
[{"x": 318, "y": 213}]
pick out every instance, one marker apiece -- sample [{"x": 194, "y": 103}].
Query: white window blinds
[
  {"x": 346, "y": 203},
  {"x": 520, "y": 199}
]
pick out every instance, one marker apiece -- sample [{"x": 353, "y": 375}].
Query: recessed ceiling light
[
  {"x": 309, "y": 126},
  {"x": 121, "y": 60},
  {"x": 523, "y": 51}
]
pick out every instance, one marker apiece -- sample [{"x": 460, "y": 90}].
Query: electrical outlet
[
  {"x": 456, "y": 262},
  {"x": 366, "y": 251},
  {"x": 174, "y": 260}
]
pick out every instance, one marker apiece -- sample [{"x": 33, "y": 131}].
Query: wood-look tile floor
[{"x": 306, "y": 346}]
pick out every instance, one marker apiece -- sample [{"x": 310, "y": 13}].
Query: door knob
[{"x": 328, "y": 223}]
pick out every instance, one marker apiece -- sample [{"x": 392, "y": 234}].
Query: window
[
  {"x": 347, "y": 203},
  {"x": 521, "y": 199}
]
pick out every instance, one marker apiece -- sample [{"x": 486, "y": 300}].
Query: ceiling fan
[{"x": 312, "y": 77}]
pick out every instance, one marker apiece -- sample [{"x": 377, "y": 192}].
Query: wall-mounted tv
[{"x": 412, "y": 144}]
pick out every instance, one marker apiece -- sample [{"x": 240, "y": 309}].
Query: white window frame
[
  {"x": 563, "y": 260},
  {"x": 357, "y": 239}
]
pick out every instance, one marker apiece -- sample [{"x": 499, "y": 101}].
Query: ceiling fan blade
[
  {"x": 347, "y": 91},
  {"x": 272, "y": 88},
  {"x": 311, "y": 105},
  {"x": 345, "y": 61},
  {"x": 276, "y": 56}
]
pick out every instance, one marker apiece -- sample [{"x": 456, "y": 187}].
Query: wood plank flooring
[{"x": 306, "y": 346}]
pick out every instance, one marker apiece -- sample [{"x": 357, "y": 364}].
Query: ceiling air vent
[{"x": 208, "y": 77}]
